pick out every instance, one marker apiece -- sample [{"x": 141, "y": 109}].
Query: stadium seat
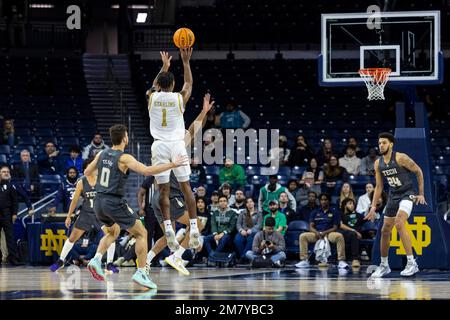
[
  {"x": 295, "y": 229},
  {"x": 297, "y": 170},
  {"x": 43, "y": 132},
  {"x": 214, "y": 170},
  {"x": 5, "y": 149},
  {"x": 212, "y": 179},
  {"x": 49, "y": 183},
  {"x": 3, "y": 158},
  {"x": 252, "y": 170},
  {"x": 28, "y": 140}
]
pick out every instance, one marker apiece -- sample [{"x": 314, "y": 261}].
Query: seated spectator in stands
[
  {"x": 50, "y": 161},
  {"x": 198, "y": 175},
  {"x": 249, "y": 223},
  {"x": 8, "y": 135},
  {"x": 26, "y": 174},
  {"x": 269, "y": 243},
  {"x": 307, "y": 187},
  {"x": 204, "y": 215},
  {"x": 314, "y": 168},
  {"x": 66, "y": 190},
  {"x": 233, "y": 119},
  {"x": 346, "y": 192},
  {"x": 75, "y": 159},
  {"x": 358, "y": 151},
  {"x": 364, "y": 202},
  {"x": 97, "y": 144},
  {"x": 280, "y": 218},
  {"x": 223, "y": 225},
  {"x": 225, "y": 189},
  {"x": 368, "y": 162},
  {"x": 85, "y": 248},
  {"x": 281, "y": 153},
  {"x": 214, "y": 201},
  {"x": 293, "y": 188},
  {"x": 301, "y": 153},
  {"x": 350, "y": 161},
  {"x": 333, "y": 173},
  {"x": 305, "y": 212},
  {"x": 239, "y": 202},
  {"x": 232, "y": 173},
  {"x": 323, "y": 222},
  {"x": 272, "y": 191},
  {"x": 350, "y": 228},
  {"x": 212, "y": 120},
  {"x": 200, "y": 191},
  {"x": 324, "y": 154},
  {"x": 284, "y": 207}
]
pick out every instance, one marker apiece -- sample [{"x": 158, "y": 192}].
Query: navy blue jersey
[
  {"x": 65, "y": 194},
  {"x": 397, "y": 176},
  {"x": 111, "y": 180},
  {"x": 88, "y": 194}
]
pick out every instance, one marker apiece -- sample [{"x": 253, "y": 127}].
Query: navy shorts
[
  {"x": 87, "y": 221},
  {"x": 393, "y": 205},
  {"x": 111, "y": 209}
]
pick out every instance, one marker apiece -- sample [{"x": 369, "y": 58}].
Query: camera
[{"x": 268, "y": 243}]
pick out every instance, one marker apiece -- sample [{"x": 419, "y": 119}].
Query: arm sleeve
[
  {"x": 283, "y": 221},
  {"x": 232, "y": 224},
  {"x": 359, "y": 206},
  {"x": 292, "y": 201},
  {"x": 260, "y": 200},
  {"x": 222, "y": 176},
  {"x": 256, "y": 241},
  {"x": 213, "y": 223},
  {"x": 246, "y": 119},
  {"x": 23, "y": 194},
  {"x": 241, "y": 178},
  {"x": 239, "y": 225},
  {"x": 258, "y": 226},
  {"x": 14, "y": 201},
  {"x": 281, "y": 245}
]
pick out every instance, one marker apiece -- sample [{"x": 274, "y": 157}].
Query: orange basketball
[{"x": 183, "y": 38}]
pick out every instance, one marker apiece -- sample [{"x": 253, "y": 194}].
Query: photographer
[{"x": 269, "y": 243}]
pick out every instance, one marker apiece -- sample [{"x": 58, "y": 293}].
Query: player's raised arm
[
  {"x": 405, "y": 161},
  {"x": 201, "y": 118},
  {"x": 188, "y": 80},
  {"x": 131, "y": 163},
  {"x": 90, "y": 169},
  {"x": 377, "y": 192},
  {"x": 74, "y": 202},
  {"x": 165, "y": 67}
]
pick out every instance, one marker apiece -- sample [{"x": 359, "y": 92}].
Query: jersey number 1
[
  {"x": 104, "y": 177},
  {"x": 164, "y": 120}
]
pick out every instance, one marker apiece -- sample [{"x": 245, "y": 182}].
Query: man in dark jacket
[
  {"x": 50, "y": 161},
  {"x": 26, "y": 174}
]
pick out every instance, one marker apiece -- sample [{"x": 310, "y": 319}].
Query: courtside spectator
[
  {"x": 315, "y": 169},
  {"x": 353, "y": 142},
  {"x": 272, "y": 191},
  {"x": 284, "y": 208},
  {"x": 281, "y": 153},
  {"x": 26, "y": 174},
  {"x": 223, "y": 225},
  {"x": 233, "y": 119},
  {"x": 225, "y": 189},
  {"x": 293, "y": 189},
  {"x": 75, "y": 159},
  {"x": 334, "y": 173},
  {"x": 269, "y": 243},
  {"x": 97, "y": 144},
  {"x": 346, "y": 192},
  {"x": 324, "y": 154},
  {"x": 280, "y": 218},
  {"x": 200, "y": 191},
  {"x": 85, "y": 248},
  {"x": 232, "y": 173},
  {"x": 204, "y": 215},
  {"x": 8, "y": 135},
  {"x": 50, "y": 161},
  {"x": 65, "y": 191},
  {"x": 305, "y": 212},
  {"x": 350, "y": 228},
  {"x": 198, "y": 175},
  {"x": 368, "y": 163},
  {"x": 307, "y": 187},
  {"x": 239, "y": 202},
  {"x": 249, "y": 223},
  {"x": 301, "y": 153},
  {"x": 364, "y": 202},
  {"x": 214, "y": 201},
  {"x": 350, "y": 161},
  {"x": 323, "y": 222}
]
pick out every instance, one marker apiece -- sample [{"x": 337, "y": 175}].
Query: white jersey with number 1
[{"x": 166, "y": 116}]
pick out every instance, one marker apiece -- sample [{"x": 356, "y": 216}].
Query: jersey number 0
[{"x": 104, "y": 177}]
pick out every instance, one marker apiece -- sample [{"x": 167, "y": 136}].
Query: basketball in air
[{"x": 184, "y": 38}]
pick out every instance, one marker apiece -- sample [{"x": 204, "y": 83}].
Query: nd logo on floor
[
  {"x": 51, "y": 242},
  {"x": 420, "y": 234}
]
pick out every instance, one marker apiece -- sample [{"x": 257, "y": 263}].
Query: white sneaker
[
  {"x": 342, "y": 264},
  {"x": 129, "y": 263},
  {"x": 162, "y": 263},
  {"x": 302, "y": 264},
  {"x": 381, "y": 271},
  {"x": 119, "y": 262},
  {"x": 194, "y": 236},
  {"x": 411, "y": 269},
  {"x": 172, "y": 242},
  {"x": 177, "y": 264}
]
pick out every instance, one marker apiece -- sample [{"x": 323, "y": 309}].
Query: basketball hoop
[{"x": 375, "y": 79}]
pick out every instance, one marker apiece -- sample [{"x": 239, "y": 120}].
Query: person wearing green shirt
[
  {"x": 232, "y": 173},
  {"x": 280, "y": 218}
]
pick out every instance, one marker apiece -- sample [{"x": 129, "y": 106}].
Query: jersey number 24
[{"x": 394, "y": 182}]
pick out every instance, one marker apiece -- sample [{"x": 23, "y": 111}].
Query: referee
[{"x": 8, "y": 212}]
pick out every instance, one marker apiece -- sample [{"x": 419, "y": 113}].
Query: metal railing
[{"x": 37, "y": 206}]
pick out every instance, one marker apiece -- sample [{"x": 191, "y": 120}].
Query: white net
[{"x": 375, "y": 79}]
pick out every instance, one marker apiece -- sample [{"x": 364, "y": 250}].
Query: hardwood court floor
[{"x": 211, "y": 283}]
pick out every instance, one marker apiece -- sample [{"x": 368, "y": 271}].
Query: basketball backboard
[{"x": 408, "y": 42}]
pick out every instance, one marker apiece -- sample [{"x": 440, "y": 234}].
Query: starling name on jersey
[{"x": 390, "y": 172}]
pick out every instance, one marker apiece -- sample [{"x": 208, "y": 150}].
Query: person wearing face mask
[
  {"x": 272, "y": 191},
  {"x": 95, "y": 147},
  {"x": 66, "y": 190}
]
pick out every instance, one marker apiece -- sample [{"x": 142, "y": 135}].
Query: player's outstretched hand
[
  {"x": 165, "y": 59},
  {"x": 371, "y": 215},
  {"x": 207, "y": 103},
  {"x": 420, "y": 200},
  {"x": 181, "y": 160},
  {"x": 186, "y": 54}
]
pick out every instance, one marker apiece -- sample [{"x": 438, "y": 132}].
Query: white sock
[
  {"x": 384, "y": 261},
  {"x": 110, "y": 252},
  {"x": 66, "y": 249},
  {"x": 194, "y": 226},
  {"x": 98, "y": 256},
  {"x": 150, "y": 256},
  {"x": 410, "y": 258},
  {"x": 179, "y": 252},
  {"x": 141, "y": 270},
  {"x": 168, "y": 225}
]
